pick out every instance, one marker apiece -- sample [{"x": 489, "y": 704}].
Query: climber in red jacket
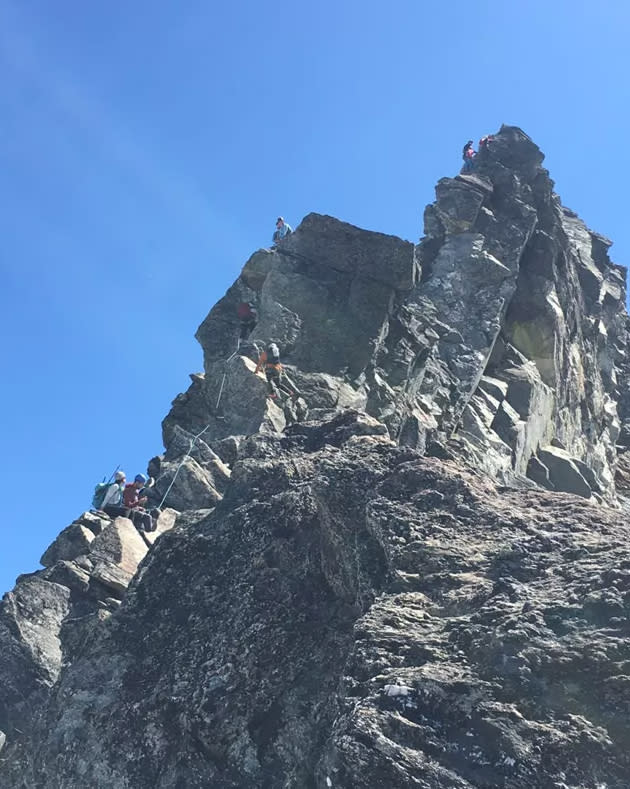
[
  {"x": 248, "y": 316},
  {"x": 135, "y": 504}
]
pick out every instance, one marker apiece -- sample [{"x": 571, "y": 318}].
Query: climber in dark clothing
[
  {"x": 248, "y": 317},
  {"x": 468, "y": 155},
  {"x": 484, "y": 142}
]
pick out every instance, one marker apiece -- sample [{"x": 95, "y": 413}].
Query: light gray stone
[
  {"x": 116, "y": 553},
  {"x": 73, "y": 541}
]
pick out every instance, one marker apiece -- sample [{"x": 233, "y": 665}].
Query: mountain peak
[{"x": 393, "y": 556}]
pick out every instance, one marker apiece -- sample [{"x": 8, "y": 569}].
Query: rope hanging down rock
[
  {"x": 194, "y": 438},
  {"x": 184, "y": 459}
]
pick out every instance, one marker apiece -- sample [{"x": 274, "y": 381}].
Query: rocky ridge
[{"x": 424, "y": 584}]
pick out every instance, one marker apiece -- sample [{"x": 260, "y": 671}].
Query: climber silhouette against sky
[
  {"x": 468, "y": 155},
  {"x": 112, "y": 501},
  {"x": 282, "y": 230}
]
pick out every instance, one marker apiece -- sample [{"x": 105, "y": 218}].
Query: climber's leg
[{"x": 273, "y": 381}]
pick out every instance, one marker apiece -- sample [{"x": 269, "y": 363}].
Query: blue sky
[{"x": 147, "y": 147}]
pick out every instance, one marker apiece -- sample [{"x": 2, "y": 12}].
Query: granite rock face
[{"x": 423, "y": 583}]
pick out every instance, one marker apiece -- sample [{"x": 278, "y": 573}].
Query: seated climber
[
  {"x": 144, "y": 492},
  {"x": 112, "y": 500},
  {"x": 248, "y": 316},
  {"x": 269, "y": 360},
  {"x": 484, "y": 142},
  {"x": 282, "y": 230},
  {"x": 135, "y": 504},
  {"x": 468, "y": 155}
]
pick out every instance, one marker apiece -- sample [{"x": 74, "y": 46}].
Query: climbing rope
[
  {"x": 216, "y": 408},
  {"x": 207, "y": 427},
  {"x": 184, "y": 459}
]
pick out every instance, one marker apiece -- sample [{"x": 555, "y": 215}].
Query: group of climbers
[
  {"x": 128, "y": 500},
  {"x": 469, "y": 154},
  {"x": 121, "y": 500}
]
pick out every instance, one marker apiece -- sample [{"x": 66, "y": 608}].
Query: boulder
[
  {"x": 163, "y": 523},
  {"x": 94, "y": 521},
  {"x": 116, "y": 553},
  {"x": 73, "y": 541},
  {"x": 563, "y": 472}
]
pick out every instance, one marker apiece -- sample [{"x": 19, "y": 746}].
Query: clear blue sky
[{"x": 147, "y": 147}]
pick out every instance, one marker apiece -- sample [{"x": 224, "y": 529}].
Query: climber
[
  {"x": 484, "y": 142},
  {"x": 248, "y": 316},
  {"x": 135, "y": 504},
  {"x": 112, "y": 501},
  {"x": 144, "y": 492},
  {"x": 269, "y": 360},
  {"x": 468, "y": 155},
  {"x": 282, "y": 230}
]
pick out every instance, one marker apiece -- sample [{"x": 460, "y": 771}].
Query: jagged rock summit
[
  {"x": 499, "y": 338},
  {"x": 425, "y": 583}
]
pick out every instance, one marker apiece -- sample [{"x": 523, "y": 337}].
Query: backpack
[
  {"x": 273, "y": 354},
  {"x": 99, "y": 494}
]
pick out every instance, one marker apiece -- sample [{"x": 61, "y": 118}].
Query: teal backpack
[
  {"x": 101, "y": 489},
  {"x": 99, "y": 494}
]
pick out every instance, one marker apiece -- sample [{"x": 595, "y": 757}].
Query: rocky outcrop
[
  {"x": 52, "y": 616},
  {"x": 354, "y": 615},
  {"x": 424, "y": 583},
  {"x": 506, "y": 287}
]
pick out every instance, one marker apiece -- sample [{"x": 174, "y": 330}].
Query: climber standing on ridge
[
  {"x": 282, "y": 230},
  {"x": 468, "y": 155},
  {"x": 112, "y": 501},
  {"x": 269, "y": 360},
  {"x": 248, "y": 316},
  {"x": 135, "y": 504}
]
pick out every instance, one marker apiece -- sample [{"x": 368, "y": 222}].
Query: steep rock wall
[
  {"x": 354, "y": 615},
  {"x": 502, "y": 333}
]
